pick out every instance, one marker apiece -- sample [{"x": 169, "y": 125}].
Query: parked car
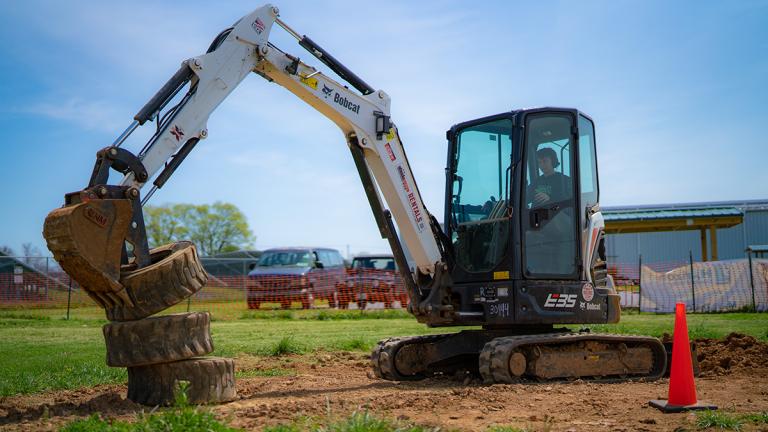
[
  {"x": 287, "y": 275},
  {"x": 370, "y": 279}
]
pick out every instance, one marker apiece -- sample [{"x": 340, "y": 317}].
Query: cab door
[{"x": 549, "y": 216}]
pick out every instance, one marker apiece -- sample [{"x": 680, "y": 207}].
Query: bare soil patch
[{"x": 734, "y": 376}]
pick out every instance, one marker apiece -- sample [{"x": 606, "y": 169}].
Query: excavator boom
[{"x": 94, "y": 252}]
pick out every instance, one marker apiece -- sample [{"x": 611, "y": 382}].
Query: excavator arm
[{"x": 90, "y": 233}]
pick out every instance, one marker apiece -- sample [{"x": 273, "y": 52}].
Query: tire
[
  {"x": 158, "y": 339},
  {"x": 211, "y": 380},
  {"x": 174, "y": 275}
]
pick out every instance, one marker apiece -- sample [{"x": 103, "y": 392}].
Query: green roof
[{"x": 648, "y": 214}]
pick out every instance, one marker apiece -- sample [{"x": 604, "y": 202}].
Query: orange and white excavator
[{"x": 521, "y": 249}]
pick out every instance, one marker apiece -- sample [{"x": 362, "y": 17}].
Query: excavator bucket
[{"x": 87, "y": 240}]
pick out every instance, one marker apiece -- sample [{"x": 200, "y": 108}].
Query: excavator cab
[{"x": 522, "y": 217}]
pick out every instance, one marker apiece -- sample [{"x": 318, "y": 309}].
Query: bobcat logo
[{"x": 327, "y": 90}]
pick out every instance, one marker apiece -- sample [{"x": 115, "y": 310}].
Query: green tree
[{"x": 214, "y": 228}]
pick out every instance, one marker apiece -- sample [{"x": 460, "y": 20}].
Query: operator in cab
[{"x": 551, "y": 186}]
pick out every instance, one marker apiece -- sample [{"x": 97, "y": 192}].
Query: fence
[{"x": 33, "y": 284}]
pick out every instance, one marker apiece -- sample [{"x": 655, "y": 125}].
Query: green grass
[
  {"x": 718, "y": 419},
  {"x": 357, "y": 422},
  {"x": 722, "y": 420},
  {"x": 286, "y": 345},
  {"x": 181, "y": 418},
  {"x": 41, "y": 352},
  {"x": 270, "y": 372}
]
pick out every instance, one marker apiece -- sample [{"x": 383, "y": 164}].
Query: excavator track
[
  {"x": 589, "y": 356},
  {"x": 391, "y": 363}
]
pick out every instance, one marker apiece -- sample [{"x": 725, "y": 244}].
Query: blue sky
[{"x": 678, "y": 91}]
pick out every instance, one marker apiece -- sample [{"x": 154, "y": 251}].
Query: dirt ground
[{"x": 734, "y": 377}]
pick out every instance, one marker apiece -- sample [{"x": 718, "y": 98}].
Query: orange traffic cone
[{"x": 682, "y": 388}]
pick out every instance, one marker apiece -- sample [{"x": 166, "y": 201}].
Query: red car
[
  {"x": 302, "y": 275},
  {"x": 371, "y": 279}
]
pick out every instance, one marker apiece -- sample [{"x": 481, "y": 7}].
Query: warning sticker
[
  {"x": 309, "y": 82},
  {"x": 587, "y": 292}
]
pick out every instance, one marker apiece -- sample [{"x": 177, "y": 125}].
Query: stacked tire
[{"x": 163, "y": 352}]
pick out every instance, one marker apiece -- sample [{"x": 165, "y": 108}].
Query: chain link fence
[
  {"x": 716, "y": 286},
  {"x": 38, "y": 286}
]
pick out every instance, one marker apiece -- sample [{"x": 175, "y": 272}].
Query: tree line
[{"x": 214, "y": 228}]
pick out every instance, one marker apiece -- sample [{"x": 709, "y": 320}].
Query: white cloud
[{"x": 89, "y": 115}]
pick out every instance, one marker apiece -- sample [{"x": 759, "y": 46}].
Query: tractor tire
[
  {"x": 175, "y": 274},
  {"x": 211, "y": 380},
  {"x": 160, "y": 339}
]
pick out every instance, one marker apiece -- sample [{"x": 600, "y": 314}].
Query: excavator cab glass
[
  {"x": 480, "y": 195},
  {"x": 549, "y": 214}
]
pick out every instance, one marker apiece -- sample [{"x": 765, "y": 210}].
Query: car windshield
[
  {"x": 380, "y": 263},
  {"x": 285, "y": 258}
]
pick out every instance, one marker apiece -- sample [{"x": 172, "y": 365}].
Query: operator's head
[{"x": 547, "y": 159}]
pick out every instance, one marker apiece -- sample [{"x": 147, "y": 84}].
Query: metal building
[{"x": 669, "y": 232}]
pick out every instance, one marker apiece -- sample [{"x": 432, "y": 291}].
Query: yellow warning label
[
  {"x": 309, "y": 82},
  {"x": 500, "y": 275},
  {"x": 391, "y": 134}
]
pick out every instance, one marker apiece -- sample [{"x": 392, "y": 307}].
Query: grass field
[{"x": 43, "y": 351}]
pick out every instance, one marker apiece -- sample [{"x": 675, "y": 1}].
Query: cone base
[{"x": 667, "y": 408}]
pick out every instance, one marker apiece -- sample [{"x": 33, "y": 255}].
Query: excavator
[{"x": 520, "y": 252}]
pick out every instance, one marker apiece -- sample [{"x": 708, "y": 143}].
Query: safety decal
[
  {"x": 177, "y": 132},
  {"x": 501, "y": 275},
  {"x": 258, "y": 25},
  {"x": 390, "y": 152},
  {"x": 560, "y": 301},
  {"x": 411, "y": 200},
  {"x": 309, "y": 82},
  {"x": 587, "y": 292}
]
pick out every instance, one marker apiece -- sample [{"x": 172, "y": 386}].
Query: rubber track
[
  {"x": 161, "y": 285},
  {"x": 495, "y": 354},
  {"x": 158, "y": 339},
  {"x": 211, "y": 380},
  {"x": 383, "y": 357}
]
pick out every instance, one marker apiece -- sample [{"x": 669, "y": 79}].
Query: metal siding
[
  {"x": 671, "y": 246},
  {"x": 674, "y": 245},
  {"x": 757, "y": 227},
  {"x": 621, "y": 248},
  {"x": 730, "y": 243}
]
